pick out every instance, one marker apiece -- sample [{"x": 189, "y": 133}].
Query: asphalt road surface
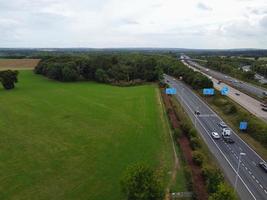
[
  {"x": 249, "y": 103},
  {"x": 252, "y": 180},
  {"x": 248, "y": 88}
]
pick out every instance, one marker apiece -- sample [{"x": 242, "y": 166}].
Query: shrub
[
  {"x": 185, "y": 127},
  {"x": 229, "y": 109},
  {"x": 192, "y": 133},
  {"x": 177, "y": 133},
  {"x": 198, "y": 158},
  {"x": 195, "y": 143},
  {"x": 224, "y": 193}
]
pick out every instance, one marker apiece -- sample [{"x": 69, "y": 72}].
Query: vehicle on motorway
[
  {"x": 207, "y": 70},
  {"x": 264, "y": 93},
  {"x": 229, "y": 140},
  {"x": 226, "y": 132},
  {"x": 219, "y": 82},
  {"x": 222, "y": 125},
  {"x": 236, "y": 81},
  {"x": 197, "y": 112},
  {"x": 215, "y": 135},
  {"x": 168, "y": 81},
  {"x": 264, "y": 109},
  {"x": 237, "y": 94},
  {"x": 264, "y": 105},
  {"x": 225, "y": 76},
  {"x": 263, "y": 165}
]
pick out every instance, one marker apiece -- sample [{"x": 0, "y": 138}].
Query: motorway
[
  {"x": 246, "y": 87},
  {"x": 249, "y": 103},
  {"x": 252, "y": 180}
]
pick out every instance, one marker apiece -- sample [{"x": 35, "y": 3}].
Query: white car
[{"x": 215, "y": 135}]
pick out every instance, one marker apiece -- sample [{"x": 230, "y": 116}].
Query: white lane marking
[
  {"x": 222, "y": 120},
  {"x": 257, "y": 181},
  {"x": 254, "y": 163},
  {"x": 216, "y": 144},
  {"x": 250, "y": 172},
  {"x": 265, "y": 191},
  {"x": 246, "y": 168},
  {"x": 253, "y": 176},
  {"x": 240, "y": 149},
  {"x": 261, "y": 186}
]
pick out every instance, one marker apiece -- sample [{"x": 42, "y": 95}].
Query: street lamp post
[{"x": 237, "y": 173}]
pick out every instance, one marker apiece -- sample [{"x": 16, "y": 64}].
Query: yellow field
[{"x": 18, "y": 63}]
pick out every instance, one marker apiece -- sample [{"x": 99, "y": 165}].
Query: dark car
[
  {"x": 264, "y": 109},
  {"x": 229, "y": 140},
  {"x": 264, "y": 105},
  {"x": 263, "y": 165},
  {"x": 197, "y": 112},
  {"x": 237, "y": 94}
]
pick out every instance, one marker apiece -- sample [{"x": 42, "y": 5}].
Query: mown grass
[{"x": 74, "y": 140}]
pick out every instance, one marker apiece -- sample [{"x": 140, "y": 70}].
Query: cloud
[
  {"x": 139, "y": 23},
  {"x": 203, "y": 6}
]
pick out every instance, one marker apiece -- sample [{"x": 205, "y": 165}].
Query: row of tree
[
  {"x": 119, "y": 69},
  {"x": 8, "y": 78},
  {"x": 101, "y": 68}
]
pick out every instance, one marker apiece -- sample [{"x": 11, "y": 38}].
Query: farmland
[
  {"x": 18, "y": 63},
  {"x": 74, "y": 140}
]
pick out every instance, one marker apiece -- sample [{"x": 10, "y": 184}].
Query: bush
[
  {"x": 198, "y": 158},
  {"x": 177, "y": 133},
  {"x": 195, "y": 143},
  {"x": 192, "y": 133},
  {"x": 185, "y": 127},
  {"x": 224, "y": 193},
  {"x": 229, "y": 109}
]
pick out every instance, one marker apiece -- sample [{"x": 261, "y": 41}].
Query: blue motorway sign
[
  {"x": 208, "y": 91},
  {"x": 225, "y": 90},
  {"x": 243, "y": 126},
  {"x": 170, "y": 91}
]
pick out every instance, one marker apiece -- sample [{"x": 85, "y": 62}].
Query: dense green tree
[
  {"x": 140, "y": 182},
  {"x": 101, "y": 76},
  {"x": 224, "y": 193},
  {"x": 8, "y": 78}
]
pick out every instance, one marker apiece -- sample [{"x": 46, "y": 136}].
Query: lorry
[{"x": 226, "y": 132}]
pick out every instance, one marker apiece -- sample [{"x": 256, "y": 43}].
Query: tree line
[{"x": 119, "y": 69}]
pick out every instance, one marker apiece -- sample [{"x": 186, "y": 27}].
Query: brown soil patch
[
  {"x": 197, "y": 178},
  {"x": 18, "y": 63}
]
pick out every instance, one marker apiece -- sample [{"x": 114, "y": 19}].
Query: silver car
[{"x": 215, "y": 135}]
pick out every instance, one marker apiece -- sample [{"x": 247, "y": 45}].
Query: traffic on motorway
[
  {"x": 248, "y": 88},
  {"x": 242, "y": 166}
]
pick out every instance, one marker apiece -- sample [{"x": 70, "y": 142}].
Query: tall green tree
[
  {"x": 8, "y": 78},
  {"x": 140, "y": 182}
]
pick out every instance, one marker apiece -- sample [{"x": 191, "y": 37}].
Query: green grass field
[{"x": 74, "y": 140}]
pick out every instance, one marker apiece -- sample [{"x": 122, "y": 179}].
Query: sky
[{"x": 204, "y": 24}]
